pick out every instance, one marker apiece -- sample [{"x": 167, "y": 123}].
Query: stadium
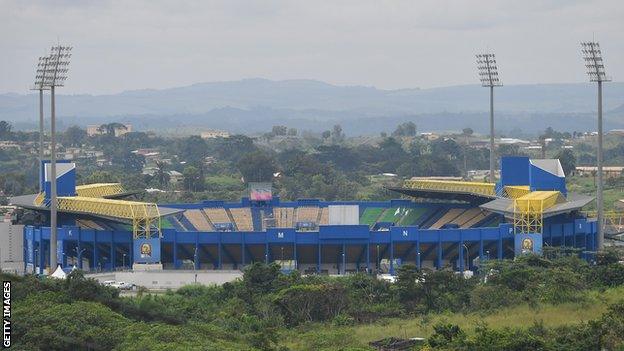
[{"x": 437, "y": 224}]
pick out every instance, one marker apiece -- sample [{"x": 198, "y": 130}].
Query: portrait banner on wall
[{"x": 528, "y": 244}]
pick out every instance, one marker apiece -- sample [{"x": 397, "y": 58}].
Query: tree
[
  {"x": 568, "y": 161},
  {"x": 128, "y": 160},
  {"x": 407, "y": 129},
  {"x": 326, "y": 134},
  {"x": 101, "y": 177},
  {"x": 193, "y": 179},
  {"x": 445, "y": 148},
  {"x": 337, "y": 135},
  {"x": 257, "y": 166},
  {"x": 162, "y": 176},
  {"x": 260, "y": 278},
  {"x": 5, "y": 130},
  {"x": 192, "y": 149},
  {"x": 74, "y": 136},
  {"x": 510, "y": 150},
  {"x": 279, "y": 130},
  {"x": 407, "y": 282}
]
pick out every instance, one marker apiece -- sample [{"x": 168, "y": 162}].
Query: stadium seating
[
  {"x": 413, "y": 216},
  {"x": 242, "y": 218},
  {"x": 324, "y": 216},
  {"x": 447, "y": 218},
  {"x": 198, "y": 220},
  {"x": 476, "y": 219},
  {"x": 466, "y": 216},
  {"x": 370, "y": 215},
  {"x": 217, "y": 215},
  {"x": 165, "y": 223},
  {"x": 392, "y": 214},
  {"x": 307, "y": 214},
  {"x": 492, "y": 220},
  {"x": 309, "y": 217},
  {"x": 284, "y": 216},
  {"x": 177, "y": 224},
  {"x": 88, "y": 224}
]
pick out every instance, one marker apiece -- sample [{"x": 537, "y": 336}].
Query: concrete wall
[
  {"x": 11, "y": 248},
  {"x": 169, "y": 279}
]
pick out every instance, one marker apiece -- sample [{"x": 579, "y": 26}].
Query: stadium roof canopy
[
  {"x": 574, "y": 202},
  {"x": 28, "y": 202},
  {"x": 465, "y": 196}
]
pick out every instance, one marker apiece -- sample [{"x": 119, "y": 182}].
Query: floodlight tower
[
  {"x": 55, "y": 76},
  {"x": 488, "y": 74},
  {"x": 40, "y": 82},
  {"x": 596, "y": 72}
]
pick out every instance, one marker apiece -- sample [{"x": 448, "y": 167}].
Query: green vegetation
[
  {"x": 613, "y": 190},
  {"x": 331, "y": 165},
  {"x": 556, "y": 303}
]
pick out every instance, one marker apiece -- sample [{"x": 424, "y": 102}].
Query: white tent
[{"x": 59, "y": 273}]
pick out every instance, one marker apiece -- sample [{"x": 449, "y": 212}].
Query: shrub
[{"x": 490, "y": 297}]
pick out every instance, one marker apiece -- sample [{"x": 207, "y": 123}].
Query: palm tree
[{"x": 162, "y": 176}]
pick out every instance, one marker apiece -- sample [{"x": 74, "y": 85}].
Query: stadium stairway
[
  {"x": 229, "y": 214},
  {"x": 434, "y": 217},
  {"x": 186, "y": 223},
  {"x": 265, "y": 213},
  {"x": 256, "y": 217},
  {"x": 175, "y": 222}
]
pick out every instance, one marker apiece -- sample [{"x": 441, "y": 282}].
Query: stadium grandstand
[{"x": 437, "y": 224}]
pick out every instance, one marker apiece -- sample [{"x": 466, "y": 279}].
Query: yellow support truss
[
  {"x": 486, "y": 189},
  {"x": 515, "y": 191},
  {"x": 145, "y": 216},
  {"x": 99, "y": 189},
  {"x": 529, "y": 209}
]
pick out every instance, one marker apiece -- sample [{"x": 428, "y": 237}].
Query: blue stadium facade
[{"x": 304, "y": 235}]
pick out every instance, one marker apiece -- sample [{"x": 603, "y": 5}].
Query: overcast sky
[{"x": 125, "y": 45}]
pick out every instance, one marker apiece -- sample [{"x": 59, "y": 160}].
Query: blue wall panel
[{"x": 514, "y": 170}]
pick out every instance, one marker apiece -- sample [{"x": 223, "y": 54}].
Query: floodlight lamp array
[
  {"x": 593, "y": 62},
  {"x": 40, "y": 81},
  {"x": 52, "y": 69},
  {"x": 488, "y": 70}
]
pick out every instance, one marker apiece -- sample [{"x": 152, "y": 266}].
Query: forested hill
[{"x": 246, "y": 105}]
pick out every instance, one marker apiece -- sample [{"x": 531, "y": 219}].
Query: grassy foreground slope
[
  {"x": 553, "y": 302},
  {"x": 353, "y": 337}
]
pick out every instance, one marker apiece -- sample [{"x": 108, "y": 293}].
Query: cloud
[{"x": 121, "y": 45}]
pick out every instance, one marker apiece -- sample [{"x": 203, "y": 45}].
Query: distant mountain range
[{"x": 253, "y": 105}]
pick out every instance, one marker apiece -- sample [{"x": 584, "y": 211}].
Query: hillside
[{"x": 249, "y": 105}]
